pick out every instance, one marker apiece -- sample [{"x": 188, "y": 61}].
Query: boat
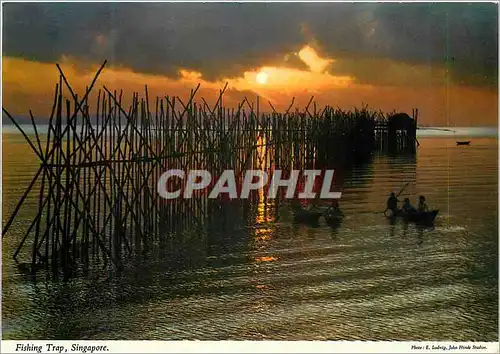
[
  {"x": 307, "y": 216},
  {"x": 422, "y": 217},
  {"x": 465, "y": 142}
]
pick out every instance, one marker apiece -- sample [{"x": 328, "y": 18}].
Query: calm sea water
[{"x": 271, "y": 279}]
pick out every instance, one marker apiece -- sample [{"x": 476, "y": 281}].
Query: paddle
[{"x": 402, "y": 189}]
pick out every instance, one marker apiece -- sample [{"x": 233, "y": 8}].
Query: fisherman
[
  {"x": 421, "y": 204},
  {"x": 392, "y": 202},
  {"x": 407, "y": 207},
  {"x": 335, "y": 208},
  {"x": 333, "y": 213}
]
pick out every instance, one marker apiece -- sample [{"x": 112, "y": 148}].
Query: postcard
[{"x": 249, "y": 177}]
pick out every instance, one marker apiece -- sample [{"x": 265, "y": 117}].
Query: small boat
[
  {"x": 307, "y": 216},
  {"x": 422, "y": 217},
  {"x": 467, "y": 142}
]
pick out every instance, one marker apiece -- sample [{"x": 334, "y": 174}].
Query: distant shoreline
[
  {"x": 422, "y": 132},
  {"x": 488, "y": 132}
]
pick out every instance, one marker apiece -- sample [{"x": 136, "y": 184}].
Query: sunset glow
[
  {"x": 262, "y": 78},
  {"x": 315, "y": 63},
  {"x": 340, "y": 71}
]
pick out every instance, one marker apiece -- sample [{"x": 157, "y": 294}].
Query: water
[
  {"x": 458, "y": 132},
  {"x": 273, "y": 280},
  {"x": 491, "y": 132}
]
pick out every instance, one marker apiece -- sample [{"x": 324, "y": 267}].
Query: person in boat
[
  {"x": 334, "y": 208},
  {"x": 392, "y": 202},
  {"x": 421, "y": 204},
  {"x": 407, "y": 207}
]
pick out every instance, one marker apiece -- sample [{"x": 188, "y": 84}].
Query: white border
[{"x": 257, "y": 347}]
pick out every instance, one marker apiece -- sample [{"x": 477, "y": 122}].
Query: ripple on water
[{"x": 363, "y": 280}]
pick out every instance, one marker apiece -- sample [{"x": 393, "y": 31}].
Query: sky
[{"x": 439, "y": 57}]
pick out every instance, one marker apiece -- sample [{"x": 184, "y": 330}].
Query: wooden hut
[{"x": 402, "y": 132}]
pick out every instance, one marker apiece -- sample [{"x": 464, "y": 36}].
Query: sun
[{"x": 262, "y": 77}]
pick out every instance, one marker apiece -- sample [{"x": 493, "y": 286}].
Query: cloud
[
  {"x": 226, "y": 39},
  {"x": 30, "y": 85},
  {"x": 386, "y": 72}
]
